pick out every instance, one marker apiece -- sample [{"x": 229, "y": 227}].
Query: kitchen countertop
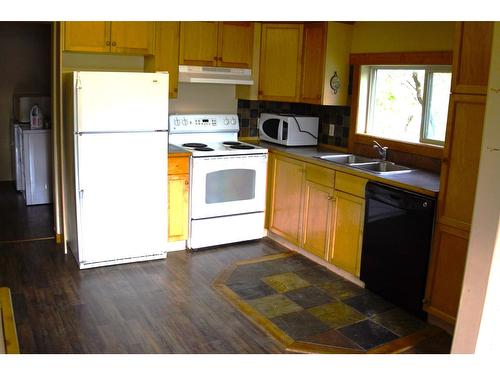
[
  {"x": 417, "y": 180},
  {"x": 177, "y": 151}
]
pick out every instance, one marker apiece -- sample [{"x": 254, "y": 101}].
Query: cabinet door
[
  {"x": 87, "y": 36},
  {"x": 280, "y": 61},
  {"x": 132, "y": 37},
  {"x": 461, "y": 160},
  {"x": 471, "y": 57},
  {"x": 348, "y": 224},
  {"x": 446, "y": 270},
  {"x": 318, "y": 209},
  {"x": 235, "y": 44},
  {"x": 166, "y": 56},
  {"x": 313, "y": 62},
  {"x": 178, "y": 198},
  {"x": 285, "y": 215},
  {"x": 198, "y": 44}
]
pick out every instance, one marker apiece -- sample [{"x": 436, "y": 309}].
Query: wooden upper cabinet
[
  {"x": 132, "y": 37},
  {"x": 228, "y": 44},
  {"x": 313, "y": 62},
  {"x": 280, "y": 61},
  {"x": 87, "y": 36},
  {"x": 166, "y": 55},
  {"x": 461, "y": 160},
  {"x": 198, "y": 43},
  {"x": 235, "y": 44},
  {"x": 471, "y": 57},
  {"x": 112, "y": 37}
]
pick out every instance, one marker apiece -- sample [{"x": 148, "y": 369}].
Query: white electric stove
[{"x": 228, "y": 180}]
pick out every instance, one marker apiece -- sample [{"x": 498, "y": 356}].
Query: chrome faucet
[{"x": 382, "y": 151}]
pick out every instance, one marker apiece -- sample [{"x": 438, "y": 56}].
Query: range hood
[{"x": 211, "y": 74}]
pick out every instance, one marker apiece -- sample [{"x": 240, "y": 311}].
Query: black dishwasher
[{"x": 396, "y": 245}]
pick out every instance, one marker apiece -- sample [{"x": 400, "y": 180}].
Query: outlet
[{"x": 331, "y": 130}]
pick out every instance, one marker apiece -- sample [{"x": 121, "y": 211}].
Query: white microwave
[{"x": 288, "y": 130}]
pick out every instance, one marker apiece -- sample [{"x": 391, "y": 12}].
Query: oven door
[{"x": 228, "y": 185}]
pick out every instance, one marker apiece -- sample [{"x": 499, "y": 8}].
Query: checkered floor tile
[{"x": 314, "y": 306}]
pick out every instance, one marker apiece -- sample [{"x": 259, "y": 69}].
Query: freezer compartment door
[
  {"x": 117, "y": 101},
  {"x": 122, "y": 195}
]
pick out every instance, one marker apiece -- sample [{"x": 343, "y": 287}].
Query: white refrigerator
[{"x": 116, "y": 148}]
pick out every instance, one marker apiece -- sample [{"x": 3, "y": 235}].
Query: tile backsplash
[{"x": 339, "y": 116}]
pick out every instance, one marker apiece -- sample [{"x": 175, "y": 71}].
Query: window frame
[
  {"x": 429, "y": 70},
  {"x": 358, "y": 141}
]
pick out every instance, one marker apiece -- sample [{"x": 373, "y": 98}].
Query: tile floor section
[{"x": 313, "y": 305}]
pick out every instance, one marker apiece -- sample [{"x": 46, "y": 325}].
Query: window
[{"x": 405, "y": 103}]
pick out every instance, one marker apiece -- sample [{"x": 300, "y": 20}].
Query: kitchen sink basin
[
  {"x": 346, "y": 158},
  {"x": 382, "y": 167}
]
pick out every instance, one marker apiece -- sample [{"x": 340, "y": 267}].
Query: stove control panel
[{"x": 203, "y": 123}]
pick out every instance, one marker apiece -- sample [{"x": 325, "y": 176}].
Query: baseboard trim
[{"x": 436, "y": 321}]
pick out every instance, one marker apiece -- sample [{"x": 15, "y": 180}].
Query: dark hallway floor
[
  {"x": 21, "y": 222},
  {"x": 165, "y": 306}
]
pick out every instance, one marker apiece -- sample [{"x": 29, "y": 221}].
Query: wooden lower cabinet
[
  {"x": 286, "y": 197},
  {"x": 178, "y": 198},
  {"x": 348, "y": 224},
  {"x": 446, "y": 272},
  {"x": 318, "y": 215},
  {"x": 306, "y": 210}
]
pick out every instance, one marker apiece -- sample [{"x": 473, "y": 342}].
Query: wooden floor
[{"x": 165, "y": 306}]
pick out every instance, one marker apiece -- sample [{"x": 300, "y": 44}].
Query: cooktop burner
[
  {"x": 231, "y": 143},
  {"x": 203, "y": 149},
  {"x": 242, "y": 147},
  {"x": 196, "y": 145}
]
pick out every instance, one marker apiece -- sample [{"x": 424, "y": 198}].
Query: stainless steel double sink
[{"x": 367, "y": 164}]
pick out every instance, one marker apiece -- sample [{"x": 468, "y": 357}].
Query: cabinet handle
[
  {"x": 108, "y": 42},
  {"x": 330, "y": 198},
  {"x": 113, "y": 44},
  {"x": 186, "y": 182}
]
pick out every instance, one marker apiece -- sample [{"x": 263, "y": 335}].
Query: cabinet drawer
[
  {"x": 320, "y": 175},
  {"x": 350, "y": 184},
  {"x": 178, "y": 165}
]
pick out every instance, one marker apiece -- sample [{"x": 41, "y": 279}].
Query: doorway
[{"x": 25, "y": 80}]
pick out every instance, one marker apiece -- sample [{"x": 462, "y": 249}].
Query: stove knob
[
  {"x": 226, "y": 121},
  {"x": 233, "y": 121},
  {"x": 184, "y": 122},
  {"x": 177, "y": 121}
]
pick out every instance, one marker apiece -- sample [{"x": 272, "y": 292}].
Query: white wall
[
  {"x": 481, "y": 286},
  {"x": 204, "y": 98}
]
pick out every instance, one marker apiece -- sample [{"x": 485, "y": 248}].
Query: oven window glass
[{"x": 230, "y": 185}]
